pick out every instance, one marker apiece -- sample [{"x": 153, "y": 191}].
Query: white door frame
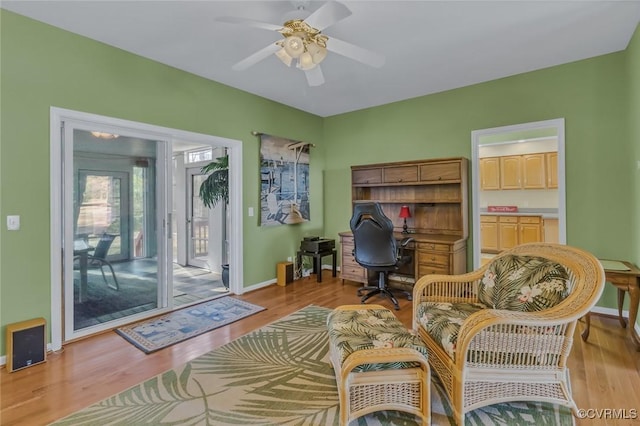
[{"x": 57, "y": 117}]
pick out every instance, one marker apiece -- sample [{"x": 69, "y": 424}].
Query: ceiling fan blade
[
  {"x": 314, "y": 76},
  {"x": 327, "y": 15},
  {"x": 256, "y": 57},
  {"x": 354, "y": 52},
  {"x": 248, "y": 22}
]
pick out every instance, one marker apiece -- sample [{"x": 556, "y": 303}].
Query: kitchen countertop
[{"x": 545, "y": 213}]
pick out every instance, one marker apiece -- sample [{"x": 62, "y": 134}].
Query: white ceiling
[{"x": 430, "y": 46}]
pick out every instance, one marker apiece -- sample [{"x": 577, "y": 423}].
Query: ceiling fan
[{"x": 304, "y": 44}]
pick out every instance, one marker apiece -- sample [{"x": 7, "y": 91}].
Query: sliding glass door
[
  {"x": 119, "y": 233},
  {"x": 115, "y": 233}
]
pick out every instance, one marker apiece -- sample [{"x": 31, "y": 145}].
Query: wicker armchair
[{"x": 504, "y": 332}]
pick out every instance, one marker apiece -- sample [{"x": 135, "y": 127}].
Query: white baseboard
[
  {"x": 614, "y": 313},
  {"x": 259, "y": 285}
]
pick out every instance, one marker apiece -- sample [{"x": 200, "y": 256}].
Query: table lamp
[{"x": 404, "y": 214}]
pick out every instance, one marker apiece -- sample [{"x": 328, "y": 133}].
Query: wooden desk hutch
[{"x": 436, "y": 193}]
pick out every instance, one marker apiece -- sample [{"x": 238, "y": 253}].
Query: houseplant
[{"x": 214, "y": 189}]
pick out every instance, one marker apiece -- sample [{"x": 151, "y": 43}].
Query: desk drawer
[
  {"x": 347, "y": 249},
  {"x": 441, "y": 171},
  {"x": 434, "y": 259},
  {"x": 431, "y": 270},
  {"x": 622, "y": 280},
  {"x": 400, "y": 174},
  {"x": 353, "y": 272},
  {"x": 350, "y": 261},
  {"x": 433, "y": 247},
  {"x": 364, "y": 176}
]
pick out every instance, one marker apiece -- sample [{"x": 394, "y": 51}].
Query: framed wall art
[{"x": 284, "y": 181}]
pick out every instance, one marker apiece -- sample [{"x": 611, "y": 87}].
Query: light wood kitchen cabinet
[
  {"x": 489, "y": 234},
  {"x": 490, "y": 173},
  {"x": 510, "y": 172},
  {"x": 499, "y": 233},
  {"x": 529, "y": 171},
  {"x": 533, "y": 171},
  {"x": 507, "y": 232},
  {"x": 552, "y": 169},
  {"x": 550, "y": 230},
  {"x": 436, "y": 193},
  {"x": 530, "y": 229}
]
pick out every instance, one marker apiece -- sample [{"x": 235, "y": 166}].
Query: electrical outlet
[
  {"x": 13, "y": 223},
  {"x": 289, "y": 259}
]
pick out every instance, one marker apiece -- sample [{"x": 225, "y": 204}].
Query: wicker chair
[{"x": 504, "y": 332}]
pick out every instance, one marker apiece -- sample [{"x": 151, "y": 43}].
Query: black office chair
[{"x": 376, "y": 248}]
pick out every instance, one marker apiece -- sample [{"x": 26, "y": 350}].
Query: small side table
[
  {"x": 623, "y": 280},
  {"x": 317, "y": 261}
]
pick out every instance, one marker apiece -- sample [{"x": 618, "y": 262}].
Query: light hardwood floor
[{"x": 605, "y": 371}]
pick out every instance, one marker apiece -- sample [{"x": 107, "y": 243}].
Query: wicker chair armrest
[
  {"x": 447, "y": 288},
  {"x": 381, "y": 356},
  {"x": 498, "y": 326}
]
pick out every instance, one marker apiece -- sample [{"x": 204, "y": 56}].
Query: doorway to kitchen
[{"x": 518, "y": 187}]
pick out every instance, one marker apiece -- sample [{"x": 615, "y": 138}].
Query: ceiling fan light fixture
[
  {"x": 284, "y": 57},
  {"x": 318, "y": 53},
  {"x": 305, "y": 62},
  {"x": 294, "y": 46}
]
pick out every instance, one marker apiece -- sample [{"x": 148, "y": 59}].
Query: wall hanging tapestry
[{"x": 284, "y": 177}]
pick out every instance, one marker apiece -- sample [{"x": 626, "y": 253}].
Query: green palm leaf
[{"x": 278, "y": 375}]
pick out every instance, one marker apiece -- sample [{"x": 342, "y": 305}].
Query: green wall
[
  {"x": 42, "y": 66},
  {"x": 633, "y": 73},
  {"x": 591, "y": 95}
]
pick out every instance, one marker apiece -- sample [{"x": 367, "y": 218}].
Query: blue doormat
[{"x": 157, "y": 333}]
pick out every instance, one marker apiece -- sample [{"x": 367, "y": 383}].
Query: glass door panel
[
  {"x": 118, "y": 269},
  {"x": 198, "y": 220}
]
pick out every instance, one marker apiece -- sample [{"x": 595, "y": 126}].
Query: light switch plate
[{"x": 13, "y": 222}]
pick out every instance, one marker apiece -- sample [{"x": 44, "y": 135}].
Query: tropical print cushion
[
  {"x": 523, "y": 283},
  {"x": 442, "y": 321},
  {"x": 358, "y": 329}
]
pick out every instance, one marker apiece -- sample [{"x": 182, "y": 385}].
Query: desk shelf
[{"x": 436, "y": 193}]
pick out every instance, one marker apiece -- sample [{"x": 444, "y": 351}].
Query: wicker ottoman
[{"x": 379, "y": 364}]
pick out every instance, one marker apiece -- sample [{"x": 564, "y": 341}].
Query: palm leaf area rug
[
  {"x": 277, "y": 375},
  {"x": 160, "y": 332}
]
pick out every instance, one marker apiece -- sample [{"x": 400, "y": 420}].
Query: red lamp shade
[{"x": 404, "y": 212}]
